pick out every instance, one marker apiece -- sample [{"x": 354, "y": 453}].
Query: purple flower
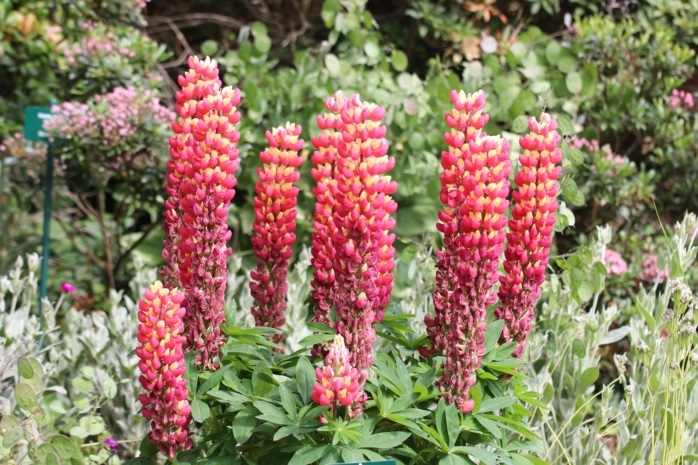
[
  {"x": 112, "y": 445},
  {"x": 67, "y": 288}
]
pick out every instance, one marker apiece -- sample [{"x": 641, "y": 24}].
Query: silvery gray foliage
[
  {"x": 97, "y": 347},
  {"x": 647, "y": 414},
  {"x": 415, "y": 298},
  {"x": 296, "y": 327},
  {"x": 22, "y": 332}
]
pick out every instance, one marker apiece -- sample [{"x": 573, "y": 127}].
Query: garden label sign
[
  {"x": 34, "y": 132},
  {"x": 33, "y": 123}
]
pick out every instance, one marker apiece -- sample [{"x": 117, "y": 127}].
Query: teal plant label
[
  {"x": 379, "y": 462},
  {"x": 33, "y": 123}
]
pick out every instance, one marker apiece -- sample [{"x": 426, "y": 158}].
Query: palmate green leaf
[
  {"x": 489, "y": 426},
  {"x": 315, "y": 339},
  {"x": 497, "y": 403},
  {"x": 305, "y": 378},
  {"x": 272, "y": 413},
  {"x": 494, "y": 330},
  {"x": 200, "y": 410},
  {"x": 244, "y": 424},
  {"x": 453, "y": 459},
  {"x": 287, "y": 402},
  {"x": 484, "y": 456},
  {"x": 384, "y": 440},
  {"x": 234, "y": 400},
  {"x": 212, "y": 380},
  {"x": 433, "y": 436}
]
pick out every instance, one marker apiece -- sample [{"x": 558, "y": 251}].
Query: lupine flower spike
[
  {"x": 274, "y": 225},
  {"x": 531, "y": 229},
  {"x": 474, "y": 191},
  {"x": 363, "y": 244},
  {"x": 202, "y": 181},
  {"x": 325, "y": 192},
  {"x": 161, "y": 335},
  {"x": 337, "y": 382},
  {"x": 198, "y": 84}
]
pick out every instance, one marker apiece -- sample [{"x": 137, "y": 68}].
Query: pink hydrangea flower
[{"x": 681, "y": 99}]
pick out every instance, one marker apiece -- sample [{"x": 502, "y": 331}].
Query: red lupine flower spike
[
  {"x": 363, "y": 244},
  {"x": 161, "y": 336},
  {"x": 325, "y": 191},
  {"x": 274, "y": 225},
  {"x": 474, "y": 191},
  {"x": 532, "y": 226},
  {"x": 201, "y": 185}
]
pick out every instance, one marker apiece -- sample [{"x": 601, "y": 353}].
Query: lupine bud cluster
[
  {"x": 337, "y": 382},
  {"x": 474, "y": 193},
  {"x": 531, "y": 229},
  {"x": 274, "y": 225},
  {"x": 353, "y": 228},
  {"x": 201, "y": 181},
  {"x": 161, "y": 335}
]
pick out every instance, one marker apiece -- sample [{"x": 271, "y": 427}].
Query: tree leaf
[
  {"x": 564, "y": 125},
  {"x": 520, "y": 124},
  {"x": 399, "y": 60},
  {"x": 26, "y": 396},
  {"x": 589, "y": 377},
  {"x": 332, "y": 64}
]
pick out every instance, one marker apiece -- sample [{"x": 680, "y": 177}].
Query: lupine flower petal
[
  {"x": 531, "y": 230},
  {"x": 274, "y": 225},
  {"x": 162, "y": 367},
  {"x": 474, "y": 191}
]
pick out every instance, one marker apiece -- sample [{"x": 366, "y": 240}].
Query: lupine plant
[{"x": 346, "y": 402}]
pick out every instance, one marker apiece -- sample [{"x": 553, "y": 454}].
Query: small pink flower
[
  {"x": 681, "y": 99},
  {"x": 650, "y": 270},
  {"x": 67, "y": 288},
  {"x": 614, "y": 262}
]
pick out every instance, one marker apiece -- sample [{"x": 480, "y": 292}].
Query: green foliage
[{"x": 256, "y": 408}]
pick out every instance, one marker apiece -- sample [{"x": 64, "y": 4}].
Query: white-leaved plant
[
  {"x": 89, "y": 383},
  {"x": 648, "y": 413}
]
